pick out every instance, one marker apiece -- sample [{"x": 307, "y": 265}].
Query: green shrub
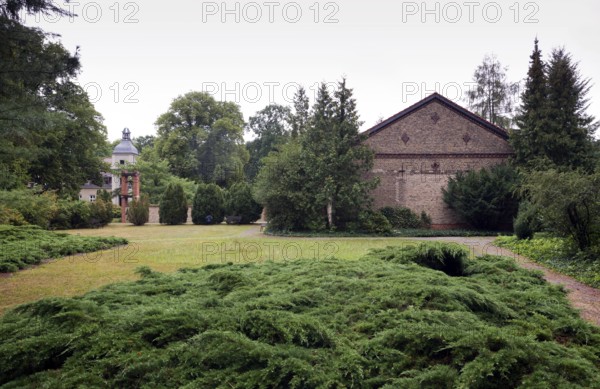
[
  {"x": 403, "y": 218},
  {"x": 241, "y": 203},
  {"x": 29, "y": 245},
  {"x": 173, "y": 209},
  {"x": 101, "y": 213},
  {"x": 527, "y": 221},
  {"x": 11, "y": 217},
  {"x": 36, "y": 208},
  {"x": 209, "y": 205},
  {"x": 484, "y": 199},
  {"x": 386, "y": 321},
  {"x": 371, "y": 222},
  {"x": 71, "y": 215},
  {"x": 138, "y": 212}
]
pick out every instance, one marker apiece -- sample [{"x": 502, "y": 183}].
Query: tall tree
[
  {"x": 532, "y": 117},
  {"x": 493, "y": 95},
  {"x": 301, "y": 115},
  {"x": 569, "y": 129},
  {"x": 272, "y": 129},
  {"x": 51, "y": 133},
  {"x": 336, "y": 158},
  {"x": 202, "y": 139}
]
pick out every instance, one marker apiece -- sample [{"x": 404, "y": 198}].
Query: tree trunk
[{"x": 330, "y": 213}]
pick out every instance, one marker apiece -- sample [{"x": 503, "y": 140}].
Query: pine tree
[
  {"x": 173, "y": 206},
  {"x": 570, "y": 128},
  {"x": 138, "y": 212},
  {"x": 300, "y": 117},
  {"x": 531, "y": 119}
]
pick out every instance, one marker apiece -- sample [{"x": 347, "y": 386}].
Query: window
[
  {"x": 80, "y": 196},
  {"x": 122, "y": 162},
  {"x": 92, "y": 198}
]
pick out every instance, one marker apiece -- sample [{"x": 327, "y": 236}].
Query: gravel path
[{"x": 584, "y": 298}]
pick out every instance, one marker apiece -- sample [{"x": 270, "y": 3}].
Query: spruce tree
[
  {"x": 173, "y": 206},
  {"x": 531, "y": 120},
  {"x": 570, "y": 128},
  {"x": 300, "y": 117}
]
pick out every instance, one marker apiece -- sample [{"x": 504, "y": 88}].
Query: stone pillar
[
  {"x": 124, "y": 196},
  {"x": 136, "y": 186}
]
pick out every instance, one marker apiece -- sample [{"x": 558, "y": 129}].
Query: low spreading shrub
[
  {"x": 29, "y": 245},
  {"x": 370, "y": 222},
  {"x": 36, "y": 208},
  {"x": 395, "y": 319},
  {"x": 403, "y": 218}
]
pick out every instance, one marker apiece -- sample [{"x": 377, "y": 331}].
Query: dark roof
[
  {"x": 89, "y": 185},
  {"x": 125, "y": 147},
  {"x": 499, "y": 131}
]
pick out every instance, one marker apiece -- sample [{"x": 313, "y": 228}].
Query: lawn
[{"x": 167, "y": 249}]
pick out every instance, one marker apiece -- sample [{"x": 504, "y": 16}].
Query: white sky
[{"x": 393, "y": 53}]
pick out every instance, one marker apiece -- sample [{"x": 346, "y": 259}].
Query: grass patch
[
  {"x": 390, "y": 320},
  {"x": 557, "y": 254},
  {"x": 404, "y": 233},
  {"x": 167, "y": 249},
  {"x": 30, "y": 245}
]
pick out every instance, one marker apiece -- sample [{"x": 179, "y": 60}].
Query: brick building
[{"x": 418, "y": 149}]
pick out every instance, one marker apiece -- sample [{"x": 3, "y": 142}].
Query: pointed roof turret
[{"x": 126, "y": 146}]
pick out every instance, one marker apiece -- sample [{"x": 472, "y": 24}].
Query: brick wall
[{"x": 416, "y": 155}]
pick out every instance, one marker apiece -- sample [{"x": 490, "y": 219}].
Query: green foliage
[
  {"x": 71, "y": 215},
  {"x": 138, "y": 212},
  {"x": 202, "y": 139},
  {"x": 558, "y": 254},
  {"x": 554, "y": 129},
  {"x": 404, "y": 218},
  {"x": 271, "y": 128},
  {"x": 51, "y": 133},
  {"x": 173, "y": 208},
  {"x": 527, "y": 222},
  {"x": 155, "y": 176},
  {"x": 316, "y": 182},
  {"x": 389, "y": 320},
  {"x": 209, "y": 205},
  {"x": 101, "y": 213},
  {"x": 36, "y": 208},
  {"x": 241, "y": 203},
  {"x": 484, "y": 199},
  {"x": 29, "y": 245},
  {"x": 493, "y": 96},
  {"x": 11, "y": 217},
  {"x": 568, "y": 204},
  {"x": 371, "y": 222}
]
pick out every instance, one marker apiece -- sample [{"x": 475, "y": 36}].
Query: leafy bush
[
  {"x": 101, "y": 214},
  {"x": 209, "y": 205},
  {"x": 241, "y": 203},
  {"x": 29, "y": 245},
  {"x": 36, "y": 208},
  {"x": 388, "y": 320},
  {"x": 371, "y": 222},
  {"x": 11, "y": 217},
  {"x": 173, "y": 207},
  {"x": 527, "y": 222},
  {"x": 138, "y": 212},
  {"x": 71, "y": 215},
  {"x": 485, "y": 198},
  {"x": 403, "y": 218}
]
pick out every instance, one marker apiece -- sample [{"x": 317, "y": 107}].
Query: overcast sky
[{"x": 138, "y": 56}]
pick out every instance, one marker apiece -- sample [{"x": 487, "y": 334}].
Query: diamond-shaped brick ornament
[
  {"x": 467, "y": 138},
  {"x": 405, "y": 138},
  {"x": 435, "y": 117}
]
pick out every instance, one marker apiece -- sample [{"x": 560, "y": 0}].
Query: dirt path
[{"x": 584, "y": 298}]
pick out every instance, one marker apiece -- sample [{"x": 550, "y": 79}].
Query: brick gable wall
[{"x": 416, "y": 155}]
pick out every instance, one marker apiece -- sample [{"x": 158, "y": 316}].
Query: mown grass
[
  {"x": 29, "y": 245},
  {"x": 387, "y": 321},
  {"x": 557, "y": 254},
  {"x": 167, "y": 249},
  {"x": 404, "y": 233}
]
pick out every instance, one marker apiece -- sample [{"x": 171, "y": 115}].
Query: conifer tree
[{"x": 173, "y": 206}]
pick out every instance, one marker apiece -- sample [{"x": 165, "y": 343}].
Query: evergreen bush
[
  {"x": 173, "y": 206},
  {"x": 209, "y": 205},
  {"x": 241, "y": 203},
  {"x": 138, "y": 212}
]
